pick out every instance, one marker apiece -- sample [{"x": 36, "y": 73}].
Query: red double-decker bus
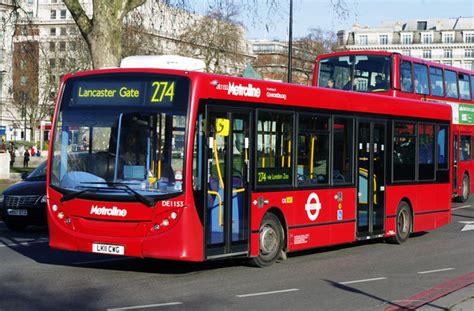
[
  {"x": 185, "y": 165},
  {"x": 397, "y": 75}
]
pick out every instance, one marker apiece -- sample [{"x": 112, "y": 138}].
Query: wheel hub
[{"x": 268, "y": 240}]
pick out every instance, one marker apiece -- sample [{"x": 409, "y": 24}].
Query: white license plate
[
  {"x": 108, "y": 249},
  {"x": 17, "y": 212}
]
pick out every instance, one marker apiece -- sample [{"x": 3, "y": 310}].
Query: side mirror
[{"x": 24, "y": 175}]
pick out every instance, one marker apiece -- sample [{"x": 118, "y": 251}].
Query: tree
[
  {"x": 217, "y": 39},
  {"x": 103, "y": 32}
]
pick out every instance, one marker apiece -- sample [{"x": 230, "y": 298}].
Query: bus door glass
[
  {"x": 227, "y": 211},
  {"x": 455, "y": 162},
  {"x": 371, "y": 146}
]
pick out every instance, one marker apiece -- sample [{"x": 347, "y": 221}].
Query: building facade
[{"x": 448, "y": 41}]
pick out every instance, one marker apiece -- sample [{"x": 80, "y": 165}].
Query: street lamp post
[{"x": 290, "y": 41}]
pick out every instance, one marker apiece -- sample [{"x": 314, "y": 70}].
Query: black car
[{"x": 24, "y": 203}]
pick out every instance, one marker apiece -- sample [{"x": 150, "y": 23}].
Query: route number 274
[{"x": 162, "y": 89}]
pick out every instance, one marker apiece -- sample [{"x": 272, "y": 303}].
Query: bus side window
[
  {"x": 464, "y": 87},
  {"x": 406, "y": 77},
  {"x": 343, "y": 131},
  {"x": 404, "y": 152},
  {"x": 451, "y": 84},
  {"x": 421, "y": 79},
  {"x": 436, "y": 81},
  {"x": 313, "y": 150}
]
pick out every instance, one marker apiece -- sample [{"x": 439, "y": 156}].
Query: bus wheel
[
  {"x": 270, "y": 240},
  {"x": 466, "y": 185},
  {"x": 403, "y": 224}
]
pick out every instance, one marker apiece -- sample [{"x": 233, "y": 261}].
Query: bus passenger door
[
  {"x": 227, "y": 165},
  {"x": 371, "y": 145}
]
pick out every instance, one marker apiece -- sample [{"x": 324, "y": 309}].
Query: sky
[{"x": 319, "y": 14}]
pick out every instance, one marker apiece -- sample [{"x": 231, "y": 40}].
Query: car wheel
[
  {"x": 403, "y": 224},
  {"x": 270, "y": 241}
]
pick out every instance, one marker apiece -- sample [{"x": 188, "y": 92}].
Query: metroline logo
[
  {"x": 104, "y": 211},
  {"x": 241, "y": 90}
]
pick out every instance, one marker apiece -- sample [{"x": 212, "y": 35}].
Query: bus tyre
[
  {"x": 270, "y": 241},
  {"x": 465, "y": 189},
  {"x": 403, "y": 224}
]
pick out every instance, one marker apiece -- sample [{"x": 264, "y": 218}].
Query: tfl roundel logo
[{"x": 313, "y": 206}]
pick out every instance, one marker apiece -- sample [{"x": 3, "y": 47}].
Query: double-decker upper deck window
[
  {"x": 406, "y": 76},
  {"x": 343, "y": 131},
  {"x": 274, "y": 148},
  {"x": 451, "y": 84},
  {"x": 404, "y": 151},
  {"x": 464, "y": 89},
  {"x": 421, "y": 79},
  {"x": 313, "y": 150},
  {"x": 436, "y": 81}
]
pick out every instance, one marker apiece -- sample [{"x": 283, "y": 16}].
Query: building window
[
  {"x": 62, "y": 62},
  {"x": 448, "y": 38},
  {"x": 383, "y": 39},
  {"x": 469, "y": 53},
  {"x": 406, "y": 52},
  {"x": 52, "y": 63},
  {"x": 53, "y": 14},
  {"x": 363, "y": 40},
  {"x": 63, "y": 31},
  {"x": 30, "y": 15},
  {"x": 62, "y": 46},
  {"x": 72, "y": 46},
  {"x": 421, "y": 25},
  {"x": 426, "y": 53},
  {"x": 52, "y": 31},
  {"x": 469, "y": 37},
  {"x": 427, "y": 38},
  {"x": 63, "y": 14},
  {"x": 52, "y": 46},
  {"x": 30, "y": 2},
  {"x": 407, "y": 38},
  {"x": 448, "y": 53}
]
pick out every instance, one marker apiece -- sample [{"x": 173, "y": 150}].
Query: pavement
[
  {"x": 460, "y": 300},
  {"x": 454, "y": 295}
]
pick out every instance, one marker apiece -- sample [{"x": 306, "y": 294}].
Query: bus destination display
[{"x": 111, "y": 93}]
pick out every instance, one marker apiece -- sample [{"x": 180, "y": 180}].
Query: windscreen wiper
[
  {"x": 143, "y": 199},
  {"x": 74, "y": 195}
]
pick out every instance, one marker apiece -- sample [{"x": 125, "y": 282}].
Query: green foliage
[{"x": 18, "y": 143}]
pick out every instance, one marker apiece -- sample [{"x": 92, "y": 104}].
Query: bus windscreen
[{"x": 121, "y": 134}]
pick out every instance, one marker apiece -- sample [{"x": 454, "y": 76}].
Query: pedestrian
[
  {"x": 32, "y": 152},
  {"x": 12, "y": 157},
  {"x": 26, "y": 158}
]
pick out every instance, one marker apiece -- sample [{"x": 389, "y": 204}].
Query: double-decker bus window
[
  {"x": 451, "y": 84},
  {"x": 436, "y": 81},
  {"x": 464, "y": 86},
  {"x": 313, "y": 150},
  {"x": 343, "y": 132},
  {"x": 362, "y": 73},
  {"x": 404, "y": 151},
  {"x": 426, "y": 152},
  {"x": 406, "y": 76},
  {"x": 274, "y": 148},
  {"x": 465, "y": 148},
  {"x": 421, "y": 79},
  {"x": 443, "y": 147},
  {"x": 472, "y": 85}
]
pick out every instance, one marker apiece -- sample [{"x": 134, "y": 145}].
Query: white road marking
[
  {"x": 147, "y": 306},
  {"x": 98, "y": 261},
  {"x": 468, "y": 225},
  {"x": 269, "y": 293},
  {"x": 364, "y": 280},
  {"x": 24, "y": 243},
  {"x": 460, "y": 207},
  {"x": 434, "y": 271}
]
